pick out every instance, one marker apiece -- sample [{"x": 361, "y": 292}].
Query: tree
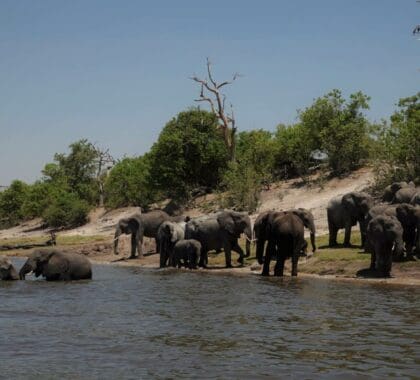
[
  {"x": 77, "y": 170},
  {"x": 398, "y": 157},
  {"x": 11, "y": 201},
  {"x": 338, "y": 128},
  {"x": 128, "y": 184},
  {"x": 104, "y": 162},
  {"x": 190, "y": 153},
  {"x": 211, "y": 93},
  {"x": 294, "y": 146}
]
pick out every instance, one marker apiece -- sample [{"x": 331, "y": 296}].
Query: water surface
[{"x": 130, "y": 323}]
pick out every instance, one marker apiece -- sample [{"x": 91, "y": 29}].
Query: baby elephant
[
  {"x": 7, "y": 270},
  {"x": 56, "y": 265},
  {"x": 186, "y": 253}
]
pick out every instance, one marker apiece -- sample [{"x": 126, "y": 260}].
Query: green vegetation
[
  {"x": 191, "y": 157},
  {"x": 398, "y": 146},
  {"x": 190, "y": 153},
  {"x": 128, "y": 184}
]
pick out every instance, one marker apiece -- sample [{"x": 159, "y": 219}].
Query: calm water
[{"x": 132, "y": 323}]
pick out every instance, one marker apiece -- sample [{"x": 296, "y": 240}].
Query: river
[{"x": 131, "y": 323}]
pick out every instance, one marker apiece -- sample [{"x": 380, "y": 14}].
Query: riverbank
[{"x": 344, "y": 264}]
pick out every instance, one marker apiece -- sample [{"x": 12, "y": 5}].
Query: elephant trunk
[
  {"x": 312, "y": 229},
  {"x": 13, "y": 274},
  {"x": 116, "y": 239},
  {"x": 27, "y": 268},
  {"x": 398, "y": 253},
  {"x": 248, "y": 233}
]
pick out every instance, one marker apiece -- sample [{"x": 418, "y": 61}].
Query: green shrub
[
  {"x": 11, "y": 201},
  {"x": 128, "y": 184},
  {"x": 66, "y": 210},
  {"x": 242, "y": 185},
  {"x": 190, "y": 153},
  {"x": 398, "y": 156}
]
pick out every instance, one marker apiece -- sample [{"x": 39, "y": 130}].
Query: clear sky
[{"x": 116, "y": 71}]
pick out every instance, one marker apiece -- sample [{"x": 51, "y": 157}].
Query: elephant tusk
[{"x": 250, "y": 240}]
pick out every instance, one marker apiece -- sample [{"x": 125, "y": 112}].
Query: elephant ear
[
  {"x": 226, "y": 222},
  {"x": 57, "y": 265}
]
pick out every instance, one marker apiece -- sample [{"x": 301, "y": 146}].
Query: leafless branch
[{"x": 217, "y": 102}]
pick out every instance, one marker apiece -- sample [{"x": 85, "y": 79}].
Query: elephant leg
[
  {"x": 134, "y": 245},
  {"x": 347, "y": 235},
  {"x": 269, "y": 252},
  {"x": 332, "y": 235},
  {"x": 238, "y": 249},
  {"x": 295, "y": 259},
  {"x": 203, "y": 258},
  {"x": 228, "y": 255},
  {"x": 157, "y": 245},
  {"x": 279, "y": 268},
  {"x": 372, "y": 259},
  {"x": 162, "y": 256}
]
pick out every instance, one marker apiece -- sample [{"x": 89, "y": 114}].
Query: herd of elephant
[
  {"x": 186, "y": 242},
  {"x": 390, "y": 231}
]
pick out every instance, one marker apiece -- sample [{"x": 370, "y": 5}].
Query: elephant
[
  {"x": 168, "y": 234},
  {"x": 56, "y": 265},
  {"x": 416, "y": 199},
  {"x": 390, "y": 190},
  {"x": 260, "y": 231},
  {"x": 307, "y": 219},
  {"x": 385, "y": 236},
  {"x": 7, "y": 270},
  {"x": 285, "y": 234},
  {"x": 405, "y": 195},
  {"x": 221, "y": 230},
  {"x": 186, "y": 252},
  {"x": 140, "y": 225},
  {"x": 344, "y": 212},
  {"x": 409, "y": 217}
]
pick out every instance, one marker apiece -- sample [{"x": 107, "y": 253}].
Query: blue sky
[{"x": 116, "y": 71}]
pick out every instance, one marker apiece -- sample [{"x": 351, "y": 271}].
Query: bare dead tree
[
  {"x": 104, "y": 162},
  {"x": 210, "y": 92}
]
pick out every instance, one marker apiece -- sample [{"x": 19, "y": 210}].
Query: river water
[{"x": 131, "y": 323}]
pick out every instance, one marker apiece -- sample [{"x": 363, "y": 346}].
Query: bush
[
  {"x": 37, "y": 199},
  {"x": 66, "y": 210},
  {"x": 190, "y": 153},
  {"x": 11, "y": 201},
  {"x": 242, "y": 185},
  {"x": 293, "y": 151},
  {"x": 128, "y": 184},
  {"x": 339, "y": 129}
]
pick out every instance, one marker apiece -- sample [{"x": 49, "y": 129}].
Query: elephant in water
[
  {"x": 221, "y": 230},
  {"x": 55, "y": 265},
  {"x": 285, "y": 234},
  {"x": 385, "y": 236},
  {"x": 7, "y": 270},
  {"x": 344, "y": 212},
  {"x": 141, "y": 225},
  {"x": 168, "y": 234}
]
